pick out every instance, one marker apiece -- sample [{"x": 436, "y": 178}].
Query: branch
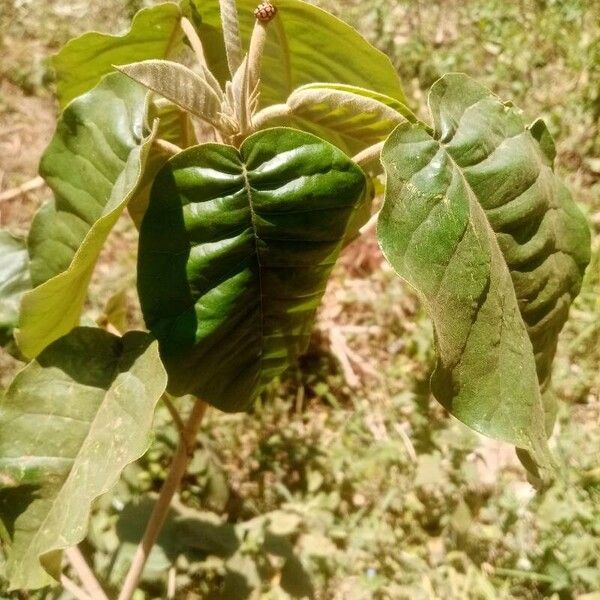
[
  {"x": 73, "y": 588},
  {"x": 161, "y": 508},
  {"x": 85, "y": 574},
  {"x": 29, "y": 186}
]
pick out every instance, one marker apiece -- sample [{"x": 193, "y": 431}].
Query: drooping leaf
[
  {"x": 476, "y": 220},
  {"x": 81, "y": 63},
  {"x": 178, "y": 84},
  {"x": 304, "y": 45},
  {"x": 356, "y": 116},
  {"x": 94, "y": 165},
  {"x": 235, "y": 251},
  {"x": 15, "y": 280},
  {"x": 69, "y": 424}
]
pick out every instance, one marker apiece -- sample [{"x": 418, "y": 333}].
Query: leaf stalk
[{"x": 177, "y": 470}]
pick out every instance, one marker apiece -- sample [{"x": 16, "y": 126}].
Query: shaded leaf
[
  {"x": 476, "y": 220},
  {"x": 15, "y": 280},
  {"x": 69, "y": 424},
  {"x": 94, "y": 165},
  {"x": 304, "y": 44},
  {"x": 82, "y": 62},
  {"x": 235, "y": 251},
  {"x": 178, "y": 84}
]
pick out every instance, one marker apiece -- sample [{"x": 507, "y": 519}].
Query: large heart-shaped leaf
[
  {"x": 94, "y": 165},
  {"x": 235, "y": 251},
  {"x": 476, "y": 220},
  {"x": 304, "y": 45},
  {"x": 69, "y": 424},
  {"x": 15, "y": 280},
  {"x": 81, "y": 64}
]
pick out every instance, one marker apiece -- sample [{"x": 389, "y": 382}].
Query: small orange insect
[{"x": 265, "y": 11}]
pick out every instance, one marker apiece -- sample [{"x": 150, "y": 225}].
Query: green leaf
[
  {"x": 348, "y": 116},
  {"x": 15, "y": 280},
  {"x": 82, "y": 62},
  {"x": 69, "y": 424},
  {"x": 476, "y": 220},
  {"x": 235, "y": 251},
  {"x": 178, "y": 84},
  {"x": 304, "y": 45},
  {"x": 94, "y": 165}
]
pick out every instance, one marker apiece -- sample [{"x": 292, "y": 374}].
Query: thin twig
[
  {"x": 370, "y": 225},
  {"x": 85, "y": 574},
  {"x": 174, "y": 413},
  {"x": 73, "y": 588},
  {"x": 26, "y": 187},
  {"x": 368, "y": 155},
  {"x": 161, "y": 508}
]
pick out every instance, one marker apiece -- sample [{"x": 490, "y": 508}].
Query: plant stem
[
  {"x": 85, "y": 574},
  {"x": 29, "y": 186},
  {"x": 73, "y": 588},
  {"x": 368, "y": 155},
  {"x": 177, "y": 470}
]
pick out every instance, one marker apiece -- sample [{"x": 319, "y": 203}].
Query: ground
[{"x": 348, "y": 481}]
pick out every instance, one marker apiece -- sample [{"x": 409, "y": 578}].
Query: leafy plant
[{"x": 237, "y": 172}]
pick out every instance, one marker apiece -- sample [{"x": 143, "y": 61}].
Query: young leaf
[
  {"x": 70, "y": 422},
  {"x": 304, "y": 44},
  {"x": 356, "y": 116},
  {"x": 476, "y": 220},
  {"x": 15, "y": 280},
  {"x": 231, "y": 34},
  {"x": 235, "y": 251},
  {"x": 94, "y": 165},
  {"x": 178, "y": 84},
  {"x": 81, "y": 64}
]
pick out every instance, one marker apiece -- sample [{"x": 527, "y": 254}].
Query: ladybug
[{"x": 265, "y": 12}]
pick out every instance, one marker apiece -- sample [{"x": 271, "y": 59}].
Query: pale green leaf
[
  {"x": 178, "y": 84},
  {"x": 94, "y": 165},
  {"x": 348, "y": 116},
  {"x": 70, "y": 422},
  {"x": 476, "y": 220},
  {"x": 15, "y": 280},
  {"x": 82, "y": 62},
  {"x": 235, "y": 252},
  {"x": 305, "y": 44}
]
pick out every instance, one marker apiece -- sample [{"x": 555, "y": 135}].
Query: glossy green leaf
[
  {"x": 70, "y": 422},
  {"x": 180, "y": 85},
  {"x": 15, "y": 280},
  {"x": 94, "y": 165},
  {"x": 304, "y": 45},
  {"x": 81, "y": 64},
  {"x": 348, "y": 116},
  {"x": 476, "y": 220},
  {"x": 235, "y": 251}
]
